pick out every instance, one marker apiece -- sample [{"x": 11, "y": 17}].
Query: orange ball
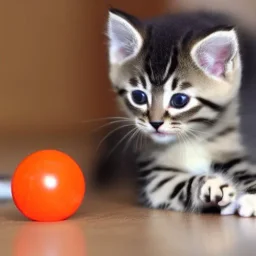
[{"x": 48, "y": 185}]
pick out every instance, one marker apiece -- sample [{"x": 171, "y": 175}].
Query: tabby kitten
[{"x": 178, "y": 78}]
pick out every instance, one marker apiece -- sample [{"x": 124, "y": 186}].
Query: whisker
[
  {"x": 143, "y": 140},
  {"x": 186, "y": 139},
  {"x": 197, "y": 137},
  {"x": 137, "y": 136},
  {"x": 110, "y": 123},
  {"x": 111, "y": 132},
  {"x": 135, "y": 132},
  {"x": 189, "y": 133},
  {"x": 105, "y": 118},
  {"x": 181, "y": 139},
  {"x": 141, "y": 137},
  {"x": 142, "y": 124},
  {"x": 120, "y": 142},
  {"x": 137, "y": 141},
  {"x": 202, "y": 132}
]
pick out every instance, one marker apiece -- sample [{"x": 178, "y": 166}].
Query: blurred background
[{"x": 53, "y": 74}]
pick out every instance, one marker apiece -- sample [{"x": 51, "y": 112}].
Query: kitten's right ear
[{"x": 125, "y": 40}]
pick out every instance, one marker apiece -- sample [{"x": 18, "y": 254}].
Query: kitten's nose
[{"x": 156, "y": 125}]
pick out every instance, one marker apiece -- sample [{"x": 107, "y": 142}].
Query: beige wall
[
  {"x": 50, "y": 71},
  {"x": 52, "y": 61},
  {"x": 53, "y": 74}
]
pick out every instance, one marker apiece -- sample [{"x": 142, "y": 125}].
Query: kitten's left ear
[
  {"x": 125, "y": 39},
  {"x": 214, "y": 52}
]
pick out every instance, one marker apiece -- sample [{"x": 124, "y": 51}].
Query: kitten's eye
[
  {"x": 179, "y": 100},
  {"x": 139, "y": 97}
]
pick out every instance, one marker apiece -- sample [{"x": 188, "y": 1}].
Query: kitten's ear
[
  {"x": 215, "y": 51},
  {"x": 125, "y": 40}
]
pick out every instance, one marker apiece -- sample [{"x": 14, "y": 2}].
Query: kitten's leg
[
  {"x": 244, "y": 177},
  {"x": 166, "y": 187}
]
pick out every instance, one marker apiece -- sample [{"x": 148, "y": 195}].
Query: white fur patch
[
  {"x": 187, "y": 155},
  {"x": 247, "y": 205}
]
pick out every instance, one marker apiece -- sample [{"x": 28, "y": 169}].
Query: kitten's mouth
[
  {"x": 163, "y": 134},
  {"x": 163, "y": 137}
]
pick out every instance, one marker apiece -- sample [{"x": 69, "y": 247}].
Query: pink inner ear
[
  {"x": 125, "y": 52},
  {"x": 217, "y": 69},
  {"x": 122, "y": 52},
  {"x": 214, "y": 57}
]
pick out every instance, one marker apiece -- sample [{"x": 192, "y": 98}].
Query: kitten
[{"x": 178, "y": 77}]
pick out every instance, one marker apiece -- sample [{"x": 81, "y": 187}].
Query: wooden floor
[{"x": 110, "y": 224}]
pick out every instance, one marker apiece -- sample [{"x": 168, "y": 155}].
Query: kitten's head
[{"x": 173, "y": 75}]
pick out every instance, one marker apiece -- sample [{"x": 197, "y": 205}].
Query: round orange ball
[{"x": 48, "y": 185}]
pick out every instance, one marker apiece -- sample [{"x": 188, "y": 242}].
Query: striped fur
[{"x": 196, "y": 158}]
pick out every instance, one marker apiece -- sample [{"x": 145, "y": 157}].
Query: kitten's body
[{"x": 197, "y": 158}]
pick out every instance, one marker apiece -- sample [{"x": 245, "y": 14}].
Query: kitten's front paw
[
  {"x": 247, "y": 205},
  {"x": 216, "y": 191}
]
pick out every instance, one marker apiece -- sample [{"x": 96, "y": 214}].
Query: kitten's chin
[{"x": 163, "y": 138}]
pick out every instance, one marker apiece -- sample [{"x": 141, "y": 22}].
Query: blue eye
[
  {"x": 139, "y": 97},
  {"x": 179, "y": 100}
]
